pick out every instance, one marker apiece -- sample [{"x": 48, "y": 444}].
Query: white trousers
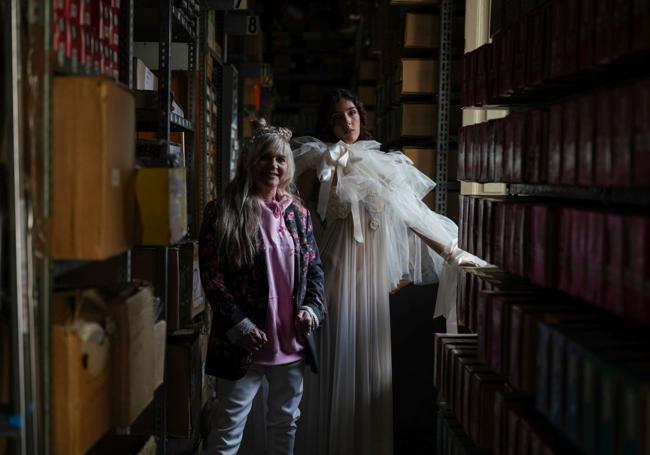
[{"x": 235, "y": 399}]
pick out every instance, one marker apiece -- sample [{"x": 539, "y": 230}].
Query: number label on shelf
[
  {"x": 252, "y": 25},
  {"x": 240, "y": 4}
]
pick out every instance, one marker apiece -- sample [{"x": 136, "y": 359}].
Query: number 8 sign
[{"x": 252, "y": 25}]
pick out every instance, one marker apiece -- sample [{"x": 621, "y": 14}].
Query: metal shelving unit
[
  {"x": 444, "y": 89},
  {"x": 20, "y": 418}
]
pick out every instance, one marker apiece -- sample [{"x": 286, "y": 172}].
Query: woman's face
[
  {"x": 346, "y": 121},
  {"x": 269, "y": 170}
]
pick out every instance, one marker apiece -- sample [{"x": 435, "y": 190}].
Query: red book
[
  {"x": 595, "y": 258},
  {"x": 586, "y": 34},
  {"x": 58, "y": 30},
  {"x": 520, "y": 48},
  {"x": 641, "y": 141},
  {"x": 603, "y": 151},
  {"x": 464, "y": 95},
  {"x": 640, "y": 38},
  {"x": 586, "y": 140},
  {"x": 482, "y": 327},
  {"x": 555, "y": 142},
  {"x": 469, "y": 152},
  {"x": 510, "y": 239},
  {"x": 614, "y": 251},
  {"x": 498, "y": 235},
  {"x": 621, "y": 27},
  {"x": 488, "y": 216},
  {"x": 494, "y": 62},
  {"x": 507, "y": 61},
  {"x": 556, "y": 39},
  {"x": 73, "y": 33},
  {"x": 470, "y": 74},
  {"x": 490, "y": 150},
  {"x": 578, "y": 253},
  {"x": 521, "y": 129},
  {"x": 499, "y": 146},
  {"x": 603, "y": 31},
  {"x": 463, "y": 295},
  {"x": 483, "y": 158},
  {"x": 571, "y": 36},
  {"x": 544, "y": 149},
  {"x": 570, "y": 139},
  {"x": 460, "y": 172},
  {"x": 461, "y": 225},
  {"x": 497, "y": 315},
  {"x": 535, "y": 48},
  {"x": 471, "y": 238},
  {"x": 635, "y": 272},
  {"x": 621, "y": 136},
  {"x": 477, "y": 148},
  {"x": 479, "y": 226},
  {"x": 509, "y": 148},
  {"x": 481, "y": 74},
  {"x": 539, "y": 246},
  {"x": 563, "y": 262},
  {"x": 520, "y": 238},
  {"x": 533, "y": 153}
]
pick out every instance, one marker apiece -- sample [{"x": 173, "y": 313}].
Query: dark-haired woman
[
  {"x": 376, "y": 231},
  {"x": 262, "y": 275}
]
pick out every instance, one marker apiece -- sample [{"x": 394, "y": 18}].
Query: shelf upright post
[
  {"x": 442, "y": 149},
  {"x": 20, "y": 424},
  {"x": 190, "y": 164},
  {"x": 126, "y": 42},
  {"x": 164, "y": 86},
  {"x": 203, "y": 81}
]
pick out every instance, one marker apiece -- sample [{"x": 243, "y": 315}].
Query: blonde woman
[{"x": 261, "y": 272}]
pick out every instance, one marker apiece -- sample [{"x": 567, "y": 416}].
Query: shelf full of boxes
[
  {"x": 308, "y": 55},
  {"x": 128, "y": 317},
  {"x": 399, "y": 82},
  {"x": 556, "y": 360}
]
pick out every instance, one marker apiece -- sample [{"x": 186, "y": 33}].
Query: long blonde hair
[{"x": 238, "y": 220}]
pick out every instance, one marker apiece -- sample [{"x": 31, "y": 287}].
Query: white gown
[{"x": 369, "y": 199}]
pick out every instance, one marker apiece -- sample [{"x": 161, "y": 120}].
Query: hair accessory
[{"x": 262, "y": 129}]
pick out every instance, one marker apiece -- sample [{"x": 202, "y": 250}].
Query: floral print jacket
[{"x": 236, "y": 294}]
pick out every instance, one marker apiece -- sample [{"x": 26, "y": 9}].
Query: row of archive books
[
  {"x": 601, "y": 257},
  {"x": 560, "y": 39},
  {"x": 575, "y": 373},
  {"x": 495, "y": 418},
  {"x": 602, "y": 138}
]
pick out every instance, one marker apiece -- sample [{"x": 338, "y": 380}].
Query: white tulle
[{"x": 371, "y": 201}]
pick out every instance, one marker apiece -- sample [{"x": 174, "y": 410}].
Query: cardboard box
[
  {"x": 419, "y": 76},
  {"x": 183, "y": 378},
  {"x": 192, "y": 301},
  {"x": 418, "y": 119},
  {"x": 144, "y": 79},
  {"x": 367, "y": 95},
  {"x": 184, "y": 293},
  {"x": 133, "y": 353},
  {"x": 368, "y": 70},
  {"x": 81, "y": 370},
  {"x": 162, "y": 205},
  {"x": 421, "y": 30},
  {"x": 160, "y": 344},
  {"x": 93, "y": 152}
]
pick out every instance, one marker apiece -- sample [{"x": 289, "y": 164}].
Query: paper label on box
[{"x": 116, "y": 179}]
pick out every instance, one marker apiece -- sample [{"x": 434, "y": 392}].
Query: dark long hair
[{"x": 324, "y": 130}]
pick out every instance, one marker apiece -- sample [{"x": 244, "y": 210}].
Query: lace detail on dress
[{"x": 336, "y": 207}]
